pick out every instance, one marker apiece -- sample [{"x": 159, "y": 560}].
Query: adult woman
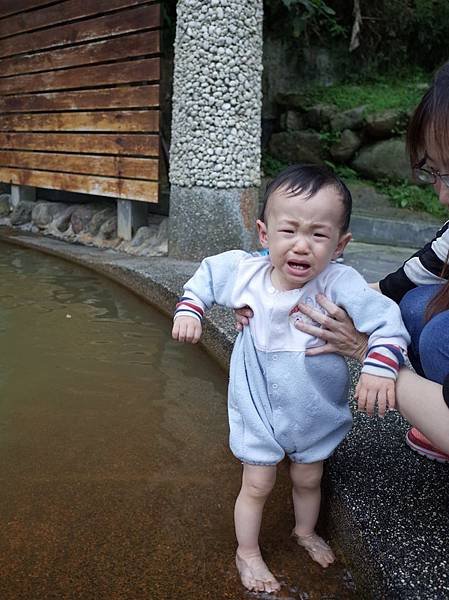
[{"x": 420, "y": 287}]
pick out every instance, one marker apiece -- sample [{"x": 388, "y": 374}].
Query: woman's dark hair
[
  {"x": 429, "y": 125},
  {"x": 430, "y": 121},
  {"x": 307, "y": 180}
]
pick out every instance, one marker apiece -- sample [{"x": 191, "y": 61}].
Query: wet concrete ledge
[{"x": 387, "y": 508}]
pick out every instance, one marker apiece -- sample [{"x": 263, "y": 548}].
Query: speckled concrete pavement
[{"x": 388, "y": 507}]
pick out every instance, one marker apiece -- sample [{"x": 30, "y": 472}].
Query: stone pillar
[
  {"x": 22, "y": 193},
  {"x": 215, "y": 151},
  {"x": 131, "y": 215}
]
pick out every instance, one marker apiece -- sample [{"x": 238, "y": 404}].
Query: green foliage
[
  {"x": 271, "y": 166},
  {"x": 401, "y": 195},
  {"x": 328, "y": 138},
  {"x": 430, "y": 32},
  {"x": 413, "y": 197},
  {"x": 345, "y": 172},
  {"x": 384, "y": 94},
  {"x": 392, "y": 32},
  {"x": 303, "y": 18}
]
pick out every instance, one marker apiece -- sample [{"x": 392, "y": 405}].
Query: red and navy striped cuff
[
  {"x": 186, "y": 306},
  {"x": 384, "y": 361}
]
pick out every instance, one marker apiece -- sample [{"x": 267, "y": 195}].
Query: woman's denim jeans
[{"x": 429, "y": 348}]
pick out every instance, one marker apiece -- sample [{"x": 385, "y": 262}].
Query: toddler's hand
[
  {"x": 372, "y": 389},
  {"x": 186, "y": 329}
]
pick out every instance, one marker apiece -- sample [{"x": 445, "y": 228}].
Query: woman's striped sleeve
[{"x": 423, "y": 268}]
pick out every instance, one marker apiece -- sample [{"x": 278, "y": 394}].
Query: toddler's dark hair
[{"x": 307, "y": 180}]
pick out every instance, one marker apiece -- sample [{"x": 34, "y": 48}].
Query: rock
[
  {"x": 5, "y": 206},
  {"x": 43, "y": 213},
  {"x": 384, "y": 160},
  {"x": 310, "y": 148},
  {"x": 291, "y": 100},
  {"x": 100, "y": 217},
  {"x": 385, "y": 124},
  {"x": 348, "y": 119},
  {"x": 81, "y": 217},
  {"x": 319, "y": 116},
  {"x": 367, "y": 200},
  {"x": 292, "y": 121},
  {"x": 142, "y": 235},
  {"x": 297, "y": 146},
  {"x": 283, "y": 146},
  {"x": 108, "y": 229},
  {"x": 63, "y": 219},
  {"x": 22, "y": 213},
  {"x": 343, "y": 150},
  {"x": 151, "y": 240}
]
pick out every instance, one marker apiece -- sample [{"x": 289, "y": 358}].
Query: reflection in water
[{"x": 116, "y": 478}]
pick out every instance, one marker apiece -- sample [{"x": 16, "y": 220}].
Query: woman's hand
[
  {"x": 242, "y": 317},
  {"x": 337, "y": 330}
]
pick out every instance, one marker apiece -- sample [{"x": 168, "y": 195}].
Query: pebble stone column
[{"x": 215, "y": 150}]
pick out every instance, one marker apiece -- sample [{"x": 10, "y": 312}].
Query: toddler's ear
[
  {"x": 262, "y": 231},
  {"x": 342, "y": 243}
]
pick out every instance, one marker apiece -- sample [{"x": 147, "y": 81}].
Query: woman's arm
[
  {"x": 422, "y": 403},
  {"x": 336, "y": 328},
  {"x": 424, "y": 267}
]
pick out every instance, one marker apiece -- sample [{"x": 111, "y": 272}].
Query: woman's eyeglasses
[{"x": 429, "y": 175}]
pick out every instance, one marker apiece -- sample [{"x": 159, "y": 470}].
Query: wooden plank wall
[{"x": 79, "y": 96}]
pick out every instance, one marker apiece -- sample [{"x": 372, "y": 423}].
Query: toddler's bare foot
[
  {"x": 317, "y": 548},
  {"x": 255, "y": 574}
]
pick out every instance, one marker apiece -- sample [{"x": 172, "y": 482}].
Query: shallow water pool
[{"x": 116, "y": 479}]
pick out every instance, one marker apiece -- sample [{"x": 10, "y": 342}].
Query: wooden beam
[
  {"x": 60, "y": 13},
  {"x": 135, "y": 44},
  {"x": 134, "y": 19},
  {"x": 139, "y": 121},
  {"x": 10, "y": 7},
  {"x": 120, "y": 97},
  {"x": 87, "y": 143},
  {"x": 57, "y": 133},
  {"x": 127, "y": 189},
  {"x": 147, "y": 69},
  {"x": 88, "y": 164}
]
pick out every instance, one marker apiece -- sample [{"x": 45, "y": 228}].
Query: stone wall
[
  {"x": 372, "y": 144},
  {"x": 90, "y": 224}
]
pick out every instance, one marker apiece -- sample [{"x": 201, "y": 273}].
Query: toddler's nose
[{"x": 301, "y": 246}]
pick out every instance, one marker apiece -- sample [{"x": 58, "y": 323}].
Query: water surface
[{"x": 116, "y": 478}]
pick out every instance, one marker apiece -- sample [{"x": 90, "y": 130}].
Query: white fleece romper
[{"x": 281, "y": 401}]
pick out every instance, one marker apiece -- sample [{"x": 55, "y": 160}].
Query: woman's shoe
[{"x": 418, "y": 442}]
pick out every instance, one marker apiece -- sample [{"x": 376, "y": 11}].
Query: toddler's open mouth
[{"x": 298, "y": 266}]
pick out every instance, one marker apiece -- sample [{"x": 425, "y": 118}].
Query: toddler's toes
[
  {"x": 317, "y": 548},
  {"x": 272, "y": 585},
  {"x": 255, "y": 575}
]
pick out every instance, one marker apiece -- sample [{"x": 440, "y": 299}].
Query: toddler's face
[{"x": 303, "y": 235}]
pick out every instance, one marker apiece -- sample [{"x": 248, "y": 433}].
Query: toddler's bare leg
[
  {"x": 306, "y": 479},
  {"x": 257, "y": 483}
]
